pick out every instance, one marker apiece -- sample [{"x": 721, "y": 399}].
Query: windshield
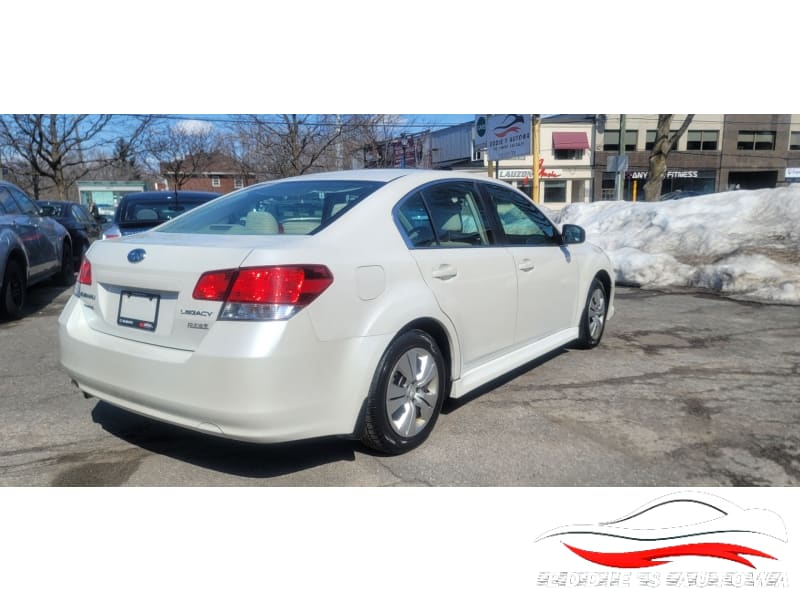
[
  {"x": 154, "y": 211},
  {"x": 289, "y": 207},
  {"x": 52, "y": 210}
]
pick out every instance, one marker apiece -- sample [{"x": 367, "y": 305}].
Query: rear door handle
[
  {"x": 444, "y": 272},
  {"x": 526, "y": 265}
]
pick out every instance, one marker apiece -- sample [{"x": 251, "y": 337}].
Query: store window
[
  {"x": 755, "y": 140},
  {"x": 702, "y": 139},
  {"x": 555, "y": 191},
  {"x": 611, "y": 140},
  {"x": 794, "y": 140},
  {"x": 568, "y": 154}
]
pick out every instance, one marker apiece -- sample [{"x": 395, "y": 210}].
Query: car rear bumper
[{"x": 278, "y": 383}]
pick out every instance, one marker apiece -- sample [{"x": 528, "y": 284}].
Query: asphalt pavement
[{"x": 686, "y": 389}]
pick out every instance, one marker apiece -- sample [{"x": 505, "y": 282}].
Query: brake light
[
  {"x": 85, "y": 274},
  {"x": 263, "y": 293},
  {"x": 213, "y": 285}
]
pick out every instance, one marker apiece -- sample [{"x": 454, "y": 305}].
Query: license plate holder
[{"x": 138, "y": 310}]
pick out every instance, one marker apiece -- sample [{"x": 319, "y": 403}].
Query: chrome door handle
[
  {"x": 444, "y": 272},
  {"x": 527, "y": 265}
]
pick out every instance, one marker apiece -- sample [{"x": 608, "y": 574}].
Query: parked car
[
  {"x": 83, "y": 228},
  {"x": 678, "y": 194},
  {"x": 32, "y": 249},
  {"x": 106, "y": 211},
  {"x": 141, "y": 211},
  {"x": 337, "y": 304}
]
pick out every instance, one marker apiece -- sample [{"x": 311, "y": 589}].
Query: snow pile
[{"x": 745, "y": 243}]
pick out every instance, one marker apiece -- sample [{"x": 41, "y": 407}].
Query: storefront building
[
  {"x": 564, "y": 166},
  {"x": 693, "y": 164}
]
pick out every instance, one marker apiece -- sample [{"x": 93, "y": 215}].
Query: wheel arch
[
  {"x": 440, "y": 335},
  {"x": 606, "y": 280},
  {"x": 17, "y": 255}
]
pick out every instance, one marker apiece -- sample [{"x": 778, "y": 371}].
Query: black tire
[
  {"x": 593, "y": 319},
  {"x": 406, "y": 395},
  {"x": 66, "y": 275},
  {"x": 13, "y": 291}
]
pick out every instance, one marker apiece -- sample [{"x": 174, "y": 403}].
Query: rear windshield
[
  {"x": 154, "y": 211},
  {"x": 289, "y": 207}
]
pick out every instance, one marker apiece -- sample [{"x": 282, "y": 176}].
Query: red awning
[{"x": 570, "y": 140}]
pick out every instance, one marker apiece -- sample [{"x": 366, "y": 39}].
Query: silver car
[{"x": 32, "y": 249}]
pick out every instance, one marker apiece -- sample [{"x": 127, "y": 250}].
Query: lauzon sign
[{"x": 670, "y": 174}]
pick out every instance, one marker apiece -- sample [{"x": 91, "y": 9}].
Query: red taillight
[
  {"x": 85, "y": 275},
  {"x": 283, "y": 288},
  {"x": 213, "y": 285}
]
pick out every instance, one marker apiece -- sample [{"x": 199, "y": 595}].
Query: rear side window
[
  {"x": 412, "y": 216},
  {"x": 443, "y": 215},
  {"x": 521, "y": 222},
  {"x": 7, "y": 203},
  {"x": 28, "y": 207},
  {"x": 289, "y": 207}
]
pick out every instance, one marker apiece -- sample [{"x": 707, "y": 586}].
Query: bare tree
[
  {"x": 294, "y": 144},
  {"x": 664, "y": 143},
  {"x": 57, "y": 149},
  {"x": 182, "y": 150}
]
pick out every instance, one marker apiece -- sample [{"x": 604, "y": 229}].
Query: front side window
[
  {"x": 521, "y": 221},
  {"x": 289, "y": 207}
]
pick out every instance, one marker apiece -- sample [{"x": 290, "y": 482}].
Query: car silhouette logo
[
  {"x": 509, "y": 125},
  {"x": 651, "y": 536},
  {"x": 137, "y": 255}
]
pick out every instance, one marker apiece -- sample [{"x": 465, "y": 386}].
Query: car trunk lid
[{"x": 142, "y": 288}]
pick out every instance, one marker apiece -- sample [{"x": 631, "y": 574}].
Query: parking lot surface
[{"x": 686, "y": 389}]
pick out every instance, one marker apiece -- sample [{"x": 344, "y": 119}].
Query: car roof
[{"x": 168, "y": 196}]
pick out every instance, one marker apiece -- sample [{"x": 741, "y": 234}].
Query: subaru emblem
[{"x": 137, "y": 255}]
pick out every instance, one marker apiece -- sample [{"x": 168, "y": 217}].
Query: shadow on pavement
[
  {"x": 453, "y": 404},
  {"x": 220, "y": 454},
  {"x": 43, "y": 299}
]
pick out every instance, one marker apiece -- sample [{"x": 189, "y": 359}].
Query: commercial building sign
[
  {"x": 669, "y": 175},
  {"x": 792, "y": 173},
  {"x": 508, "y": 136}
]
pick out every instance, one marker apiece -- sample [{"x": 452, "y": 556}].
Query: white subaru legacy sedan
[{"x": 337, "y": 304}]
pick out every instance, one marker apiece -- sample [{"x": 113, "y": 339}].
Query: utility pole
[
  {"x": 535, "y": 124},
  {"x": 620, "y": 166},
  {"x": 339, "y": 148}
]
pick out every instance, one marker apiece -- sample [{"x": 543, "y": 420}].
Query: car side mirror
[{"x": 573, "y": 234}]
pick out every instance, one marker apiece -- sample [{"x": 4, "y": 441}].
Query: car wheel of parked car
[
  {"x": 593, "y": 319},
  {"x": 406, "y": 395},
  {"x": 66, "y": 276},
  {"x": 12, "y": 294}
]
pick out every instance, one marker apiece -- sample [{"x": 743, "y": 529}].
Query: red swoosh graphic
[
  {"x": 514, "y": 129},
  {"x": 649, "y": 558}
]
